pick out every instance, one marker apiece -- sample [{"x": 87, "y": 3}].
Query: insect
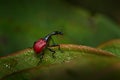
[{"x": 44, "y": 43}]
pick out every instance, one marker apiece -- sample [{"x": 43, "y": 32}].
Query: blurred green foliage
[{"x": 24, "y": 21}]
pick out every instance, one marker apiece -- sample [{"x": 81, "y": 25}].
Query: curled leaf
[
  {"x": 26, "y": 59},
  {"x": 111, "y": 46}
]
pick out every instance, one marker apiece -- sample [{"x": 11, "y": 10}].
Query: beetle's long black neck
[{"x": 47, "y": 38}]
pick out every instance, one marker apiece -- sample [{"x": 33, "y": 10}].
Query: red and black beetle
[{"x": 44, "y": 43}]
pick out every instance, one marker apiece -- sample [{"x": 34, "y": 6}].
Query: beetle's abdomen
[{"x": 39, "y": 45}]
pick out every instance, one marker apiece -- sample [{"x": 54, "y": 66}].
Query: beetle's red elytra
[{"x": 39, "y": 45}]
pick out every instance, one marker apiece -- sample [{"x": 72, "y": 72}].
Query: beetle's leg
[
  {"x": 57, "y": 45},
  {"x": 41, "y": 57},
  {"x": 54, "y": 45},
  {"x": 53, "y": 52}
]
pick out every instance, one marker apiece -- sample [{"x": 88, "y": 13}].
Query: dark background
[{"x": 86, "y": 22}]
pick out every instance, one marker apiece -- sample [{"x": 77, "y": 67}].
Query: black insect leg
[
  {"x": 57, "y": 46},
  {"x": 41, "y": 57},
  {"x": 53, "y": 52},
  {"x": 54, "y": 45}
]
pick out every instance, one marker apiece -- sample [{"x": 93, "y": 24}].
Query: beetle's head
[{"x": 57, "y": 33}]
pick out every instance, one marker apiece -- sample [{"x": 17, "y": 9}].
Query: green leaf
[
  {"x": 111, "y": 46},
  {"x": 24, "y": 64},
  {"x": 85, "y": 68}
]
